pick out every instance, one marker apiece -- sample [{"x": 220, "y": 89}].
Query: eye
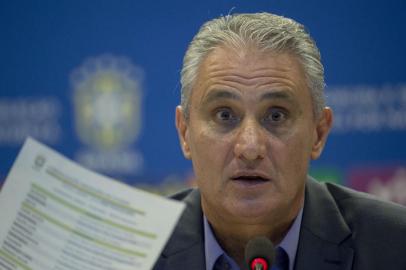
[
  {"x": 276, "y": 116},
  {"x": 225, "y": 115}
]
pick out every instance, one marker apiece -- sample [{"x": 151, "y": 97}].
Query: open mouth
[{"x": 251, "y": 179}]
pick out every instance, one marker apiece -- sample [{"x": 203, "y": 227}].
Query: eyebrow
[
  {"x": 219, "y": 94},
  {"x": 278, "y": 94},
  {"x": 224, "y": 94}
]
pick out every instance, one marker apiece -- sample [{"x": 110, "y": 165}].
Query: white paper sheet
[{"x": 58, "y": 215}]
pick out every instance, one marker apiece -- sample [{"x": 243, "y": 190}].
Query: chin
[{"x": 252, "y": 210}]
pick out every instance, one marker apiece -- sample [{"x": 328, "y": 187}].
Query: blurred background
[{"x": 99, "y": 81}]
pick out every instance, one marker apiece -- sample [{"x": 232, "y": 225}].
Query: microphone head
[{"x": 259, "y": 250}]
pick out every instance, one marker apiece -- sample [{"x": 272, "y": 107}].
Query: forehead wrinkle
[
  {"x": 258, "y": 77},
  {"x": 277, "y": 83},
  {"x": 216, "y": 94},
  {"x": 260, "y": 82},
  {"x": 237, "y": 83},
  {"x": 228, "y": 75},
  {"x": 248, "y": 74}
]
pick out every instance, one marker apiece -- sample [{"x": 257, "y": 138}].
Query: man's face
[{"x": 251, "y": 134}]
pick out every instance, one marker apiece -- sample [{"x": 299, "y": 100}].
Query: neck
[
  {"x": 233, "y": 236},
  {"x": 233, "y": 239}
]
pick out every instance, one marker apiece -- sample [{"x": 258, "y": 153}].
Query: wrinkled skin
[{"x": 251, "y": 134}]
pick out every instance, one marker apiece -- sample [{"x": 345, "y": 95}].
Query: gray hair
[{"x": 268, "y": 32}]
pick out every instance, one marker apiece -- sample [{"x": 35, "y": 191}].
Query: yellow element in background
[{"x": 107, "y": 98}]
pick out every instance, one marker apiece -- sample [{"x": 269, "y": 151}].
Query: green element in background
[{"x": 328, "y": 174}]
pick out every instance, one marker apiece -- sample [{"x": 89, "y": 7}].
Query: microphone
[{"x": 259, "y": 253}]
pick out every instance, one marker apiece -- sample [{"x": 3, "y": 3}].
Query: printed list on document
[{"x": 58, "y": 215}]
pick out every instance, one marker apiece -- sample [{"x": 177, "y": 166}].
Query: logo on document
[{"x": 107, "y": 99}]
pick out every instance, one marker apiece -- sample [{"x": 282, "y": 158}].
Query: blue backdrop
[{"x": 99, "y": 82}]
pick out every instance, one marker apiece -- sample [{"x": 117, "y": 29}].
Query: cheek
[
  {"x": 205, "y": 144},
  {"x": 291, "y": 157},
  {"x": 209, "y": 154}
]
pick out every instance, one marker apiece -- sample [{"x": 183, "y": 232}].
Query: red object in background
[{"x": 387, "y": 183}]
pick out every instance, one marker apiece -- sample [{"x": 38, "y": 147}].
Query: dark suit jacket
[{"x": 341, "y": 229}]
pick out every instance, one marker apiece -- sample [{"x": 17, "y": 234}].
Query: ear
[
  {"x": 183, "y": 128},
  {"x": 324, "y": 124}
]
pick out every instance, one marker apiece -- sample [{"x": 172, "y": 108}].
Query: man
[{"x": 251, "y": 118}]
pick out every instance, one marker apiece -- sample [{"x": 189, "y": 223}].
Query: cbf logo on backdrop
[{"x": 107, "y": 99}]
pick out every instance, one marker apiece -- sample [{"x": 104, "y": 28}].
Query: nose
[{"x": 250, "y": 144}]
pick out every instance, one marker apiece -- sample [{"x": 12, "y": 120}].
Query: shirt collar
[
  {"x": 211, "y": 246},
  {"x": 291, "y": 240},
  {"x": 213, "y": 250}
]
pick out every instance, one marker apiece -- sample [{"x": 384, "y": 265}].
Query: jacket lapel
[
  {"x": 185, "y": 248},
  {"x": 324, "y": 241}
]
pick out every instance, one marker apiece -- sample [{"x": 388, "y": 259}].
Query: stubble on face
[{"x": 250, "y": 135}]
